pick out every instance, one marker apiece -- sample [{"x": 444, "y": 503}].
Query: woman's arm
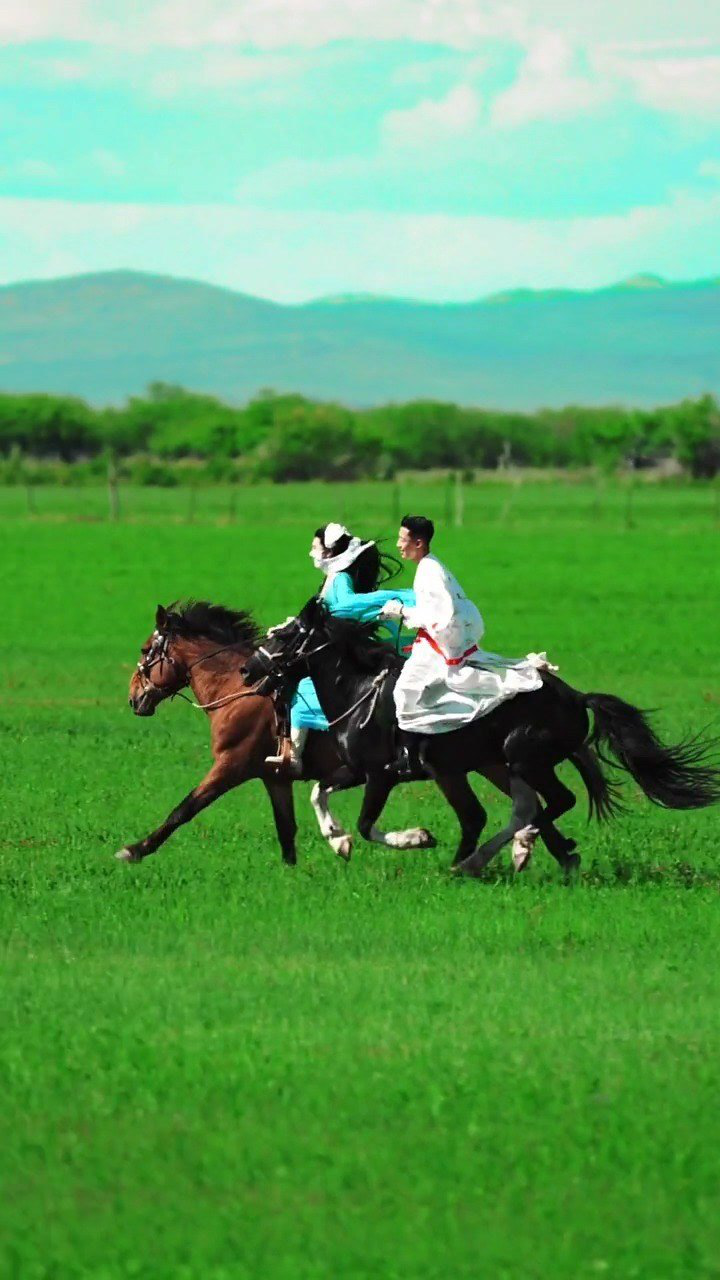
[{"x": 344, "y": 601}]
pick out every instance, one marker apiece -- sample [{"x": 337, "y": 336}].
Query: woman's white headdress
[{"x": 332, "y": 534}]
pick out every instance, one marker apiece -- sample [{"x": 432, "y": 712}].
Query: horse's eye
[{"x": 145, "y": 650}]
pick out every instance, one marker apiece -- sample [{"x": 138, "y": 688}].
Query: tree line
[{"x": 290, "y": 437}]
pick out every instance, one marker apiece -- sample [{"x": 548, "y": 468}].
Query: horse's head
[
  {"x": 283, "y": 656},
  {"x": 161, "y": 672}
]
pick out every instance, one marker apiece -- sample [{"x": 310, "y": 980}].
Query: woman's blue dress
[{"x": 343, "y": 601}]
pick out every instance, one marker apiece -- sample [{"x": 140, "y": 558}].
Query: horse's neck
[
  {"x": 335, "y": 680},
  {"x": 213, "y": 673}
]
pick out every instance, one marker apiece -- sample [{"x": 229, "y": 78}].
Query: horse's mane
[
  {"x": 360, "y": 643},
  {"x": 215, "y": 621}
]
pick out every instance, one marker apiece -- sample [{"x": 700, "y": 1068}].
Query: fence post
[
  {"x": 395, "y": 513},
  {"x": 113, "y": 486},
  {"x": 459, "y": 500},
  {"x": 191, "y": 502},
  {"x": 629, "y": 502},
  {"x": 448, "y": 497}
]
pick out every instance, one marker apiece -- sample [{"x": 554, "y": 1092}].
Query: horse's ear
[{"x": 160, "y": 617}]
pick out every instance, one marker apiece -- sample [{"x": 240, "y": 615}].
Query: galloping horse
[
  {"x": 517, "y": 745},
  {"x": 202, "y": 647}
]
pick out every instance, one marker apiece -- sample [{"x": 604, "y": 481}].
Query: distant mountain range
[{"x": 644, "y": 341}]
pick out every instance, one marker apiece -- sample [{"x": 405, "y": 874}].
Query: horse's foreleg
[
  {"x": 219, "y": 780},
  {"x": 281, "y": 799},
  {"x": 467, "y": 809},
  {"x": 338, "y": 838},
  {"x": 377, "y": 790}
]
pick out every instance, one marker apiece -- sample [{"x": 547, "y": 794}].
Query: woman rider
[{"x": 353, "y": 570}]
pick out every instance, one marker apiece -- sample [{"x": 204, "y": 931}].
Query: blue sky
[{"x": 428, "y": 148}]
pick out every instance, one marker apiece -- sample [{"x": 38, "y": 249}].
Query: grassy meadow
[{"x": 214, "y": 1066}]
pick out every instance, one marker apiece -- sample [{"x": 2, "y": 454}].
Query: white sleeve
[{"x": 434, "y": 608}]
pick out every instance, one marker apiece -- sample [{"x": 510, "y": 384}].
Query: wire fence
[{"x": 452, "y": 502}]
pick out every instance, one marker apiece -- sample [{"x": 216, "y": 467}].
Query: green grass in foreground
[{"x": 214, "y": 1066}]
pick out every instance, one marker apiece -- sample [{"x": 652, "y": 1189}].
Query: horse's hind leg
[
  {"x": 518, "y": 749},
  {"x": 559, "y": 799}
]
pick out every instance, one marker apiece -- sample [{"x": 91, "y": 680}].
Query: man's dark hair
[{"x": 420, "y": 528}]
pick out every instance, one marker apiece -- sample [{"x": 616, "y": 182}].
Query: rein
[
  {"x": 372, "y": 692},
  {"x": 254, "y": 692}
]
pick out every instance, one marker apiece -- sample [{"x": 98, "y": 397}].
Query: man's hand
[{"x": 393, "y": 609}]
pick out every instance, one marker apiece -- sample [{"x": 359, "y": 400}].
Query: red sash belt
[{"x": 451, "y": 662}]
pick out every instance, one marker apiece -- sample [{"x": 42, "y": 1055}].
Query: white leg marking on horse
[
  {"x": 124, "y": 855},
  {"x": 326, "y": 822},
  {"x": 522, "y": 848},
  {"x": 414, "y": 838},
  {"x": 342, "y": 846},
  {"x": 337, "y": 837}
]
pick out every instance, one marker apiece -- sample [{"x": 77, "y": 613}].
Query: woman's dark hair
[
  {"x": 420, "y": 527},
  {"x": 372, "y": 567}
]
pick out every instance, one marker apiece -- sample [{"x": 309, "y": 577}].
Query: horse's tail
[
  {"x": 675, "y": 777},
  {"x": 604, "y": 800}
]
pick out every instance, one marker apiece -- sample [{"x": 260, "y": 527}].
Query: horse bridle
[
  {"x": 159, "y": 652},
  {"x": 277, "y": 666},
  {"x": 289, "y": 659}
]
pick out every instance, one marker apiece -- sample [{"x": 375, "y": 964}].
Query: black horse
[{"x": 517, "y": 746}]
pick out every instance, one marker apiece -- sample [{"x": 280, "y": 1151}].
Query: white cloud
[
  {"x": 684, "y": 85},
  {"x": 433, "y": 120},
  {"x": 709, "y": 169},
  {"x": 547, "y": 85},
  {"x": 275, "y": 24},
  {"x": 228, "y": 70},
  {"x": 291, "y": 256},
  {"x": 270, "y": 24},
  {"x": 108, "y": 163},
  {"x": 41, "y": 169}
]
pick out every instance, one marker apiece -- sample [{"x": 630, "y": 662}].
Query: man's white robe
[{"x": 442, "y": 685}]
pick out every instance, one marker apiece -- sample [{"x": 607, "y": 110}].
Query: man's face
[{"x": 410, "y": 548}]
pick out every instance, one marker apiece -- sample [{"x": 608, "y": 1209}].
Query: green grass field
[{"x": 216, "y": 1067}]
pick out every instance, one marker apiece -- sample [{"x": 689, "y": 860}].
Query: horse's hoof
[
  {"x": 342, "y": 846},
  {"x": 466, "y": 868},
  {"x": 126, "y": 855},
  {"x": 414, "y": 838},
  {"x": 572, "y": 866},
  {"x": 522, "y": 848}
]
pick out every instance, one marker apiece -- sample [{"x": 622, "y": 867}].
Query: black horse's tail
[
  {"x": 604, "y": 800},
  {"x": 676, "y": 777}
]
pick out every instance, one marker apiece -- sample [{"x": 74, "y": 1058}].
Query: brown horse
[{"x": 202, "y": 647}]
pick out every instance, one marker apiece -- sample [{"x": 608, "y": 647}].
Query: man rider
[{"x": 442, "y": 686}]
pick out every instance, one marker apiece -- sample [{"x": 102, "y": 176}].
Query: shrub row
[{"x": 289, "y": 437}]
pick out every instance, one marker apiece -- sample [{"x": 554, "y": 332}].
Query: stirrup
[{"x": 283, "y": 762}]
